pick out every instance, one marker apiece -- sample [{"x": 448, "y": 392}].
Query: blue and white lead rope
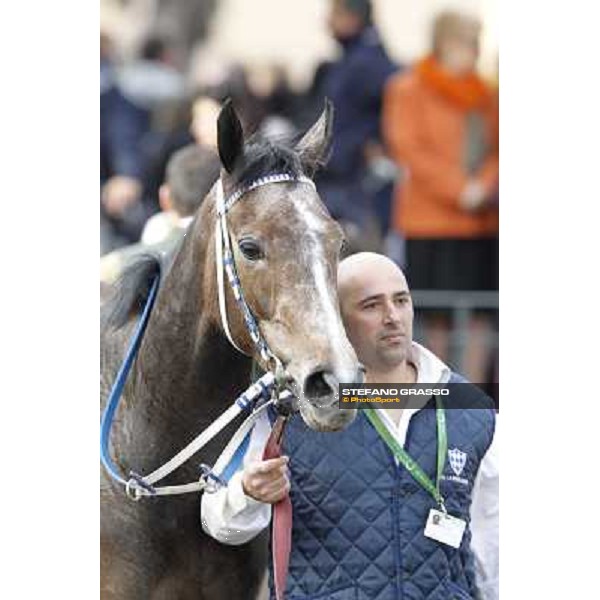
[{"x": 137, "y": 485}]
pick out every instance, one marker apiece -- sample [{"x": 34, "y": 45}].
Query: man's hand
[
  {"x": 267, "y": 480},
  {"x": 119, "y": 192}
]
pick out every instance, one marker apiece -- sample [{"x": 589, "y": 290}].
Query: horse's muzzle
[{"x": 321, "y": 386}]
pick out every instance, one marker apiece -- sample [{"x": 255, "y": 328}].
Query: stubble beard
[{"x": 391, "y": 358}]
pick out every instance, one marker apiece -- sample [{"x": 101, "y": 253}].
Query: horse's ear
[
  {"x": 230, "y": 136},
  {"x": 314, "y": 145}
]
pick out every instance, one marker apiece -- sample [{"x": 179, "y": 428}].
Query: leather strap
[{"x": 281, "y": 530}]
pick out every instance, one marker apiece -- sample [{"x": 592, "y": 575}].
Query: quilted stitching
[{"x": 359, "y": 519}]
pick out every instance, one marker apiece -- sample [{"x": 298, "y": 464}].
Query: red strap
[{"x": 281, "y": 541}]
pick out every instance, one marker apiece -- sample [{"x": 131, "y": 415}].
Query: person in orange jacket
[{"x": 440, "y": 122}]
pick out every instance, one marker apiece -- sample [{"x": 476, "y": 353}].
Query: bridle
[
  {"x": 282, "y": 510},
  {"x": 254, "y": 400},
  {"x": 226, "y": 262}
]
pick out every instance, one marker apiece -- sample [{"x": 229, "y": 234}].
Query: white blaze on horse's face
[
  {"x": 290, "y": 285},
  {"x": 286, "y": 249}
]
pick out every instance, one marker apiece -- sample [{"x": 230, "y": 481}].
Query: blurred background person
[
  {"x": 441, "y": 123},
  {"x": 220, "y": 79},
  {"x": 154, "y": 85},
  {"x": 152, "y": 79},
  {"x": 354, "y": 83},
  {"x": 134, "y": 99},
  {"x": 191, "y": 173},
  {"x": 203, "y": 126},
  {"x": 121, "y": 170},
  {"x": 278, "y": 88},
  {"x": 276, "y": 102}
]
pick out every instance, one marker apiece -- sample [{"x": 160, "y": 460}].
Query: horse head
[{"x": 285, "y": 247}]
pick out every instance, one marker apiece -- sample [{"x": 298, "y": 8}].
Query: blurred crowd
[{"x": 413, "y": 170}]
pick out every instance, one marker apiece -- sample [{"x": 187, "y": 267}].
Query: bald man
[
  {"x": 378, "y": 315},
  {"x": 360, "y": 516}
]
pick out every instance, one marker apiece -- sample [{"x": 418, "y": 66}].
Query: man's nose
[{"x": 392, "y": 314}]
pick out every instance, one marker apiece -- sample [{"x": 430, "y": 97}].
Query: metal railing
[{"x": 461, "y": 304}]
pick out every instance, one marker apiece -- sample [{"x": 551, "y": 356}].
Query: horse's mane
[
  {"x": 264, "y": 157},
  {"x": 130, "y": 292}
]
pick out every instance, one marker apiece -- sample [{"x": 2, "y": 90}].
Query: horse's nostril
[{"x": 319, "y": 384}]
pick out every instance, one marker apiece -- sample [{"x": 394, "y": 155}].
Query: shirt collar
[{"x": 430, "y": 369}]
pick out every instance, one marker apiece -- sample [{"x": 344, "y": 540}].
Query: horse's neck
[{"x": 186, "y": 372}]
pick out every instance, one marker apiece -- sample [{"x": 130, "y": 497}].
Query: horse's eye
[{"x": 251, "y": 250}]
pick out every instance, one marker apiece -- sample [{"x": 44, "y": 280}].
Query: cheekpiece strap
[{"x": 225, "y": 261}]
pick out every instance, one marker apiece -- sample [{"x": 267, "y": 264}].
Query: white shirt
[
  {"x": 231, "y": 517},
  {"x": 160, "y": 226}
]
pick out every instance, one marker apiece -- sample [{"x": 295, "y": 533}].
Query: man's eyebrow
[
  {"x": 370, "y": 298},
  {"x": 378, "y": 296}
]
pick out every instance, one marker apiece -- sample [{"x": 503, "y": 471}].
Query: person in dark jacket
[
  {"x": 360, "y": 519},
  {"x": 131, "y": 146},
  {"x": 121, "y": 129},
  {"x": 354, "y": 84}
]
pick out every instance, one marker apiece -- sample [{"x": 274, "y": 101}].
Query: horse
[{"x": 186, "y": 372}]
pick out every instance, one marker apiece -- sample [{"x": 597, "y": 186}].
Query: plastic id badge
[{"x": 444, "y": 528}]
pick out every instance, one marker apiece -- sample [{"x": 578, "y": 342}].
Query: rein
[
  {"x": 255, "y": 399},
  {"x": 119, "y": 384},
  {"x": 137, "y": 486}
]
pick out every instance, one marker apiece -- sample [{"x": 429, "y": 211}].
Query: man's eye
[
  {"x": 251, "y": 249},
  {"x": 369, "y": 306}
]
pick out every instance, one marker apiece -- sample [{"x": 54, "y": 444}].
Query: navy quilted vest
[{"x": 359, "y": 518}]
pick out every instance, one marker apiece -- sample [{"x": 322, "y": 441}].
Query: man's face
[
  {"x": 460, "y": 54},
  {"x": 378, "y": 314},
  {"x": 342, "y": 23},
  {"x": 203, "y": 128},
  {"x": 459, "y": 46}
]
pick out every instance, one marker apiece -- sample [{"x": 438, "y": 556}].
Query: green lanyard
[{"x": 409, "y": 463}]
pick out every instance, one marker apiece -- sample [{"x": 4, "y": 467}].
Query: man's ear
[
  {"x": 164, "y": 198},
  {"x": 230, "y": 136},
  {"x": 314, "y": 145}
]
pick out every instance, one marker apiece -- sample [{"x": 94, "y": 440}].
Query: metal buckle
[
  {"x": 134, "y": 486},
  {"x": 210, "y": 480},
  {"x": 282, "y": 396},
  {"x": 443, "y": 506},
  {"x": 284, "y": 404}
]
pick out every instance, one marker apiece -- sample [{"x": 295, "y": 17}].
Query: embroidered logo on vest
[{"x": 458, "y": 460}]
